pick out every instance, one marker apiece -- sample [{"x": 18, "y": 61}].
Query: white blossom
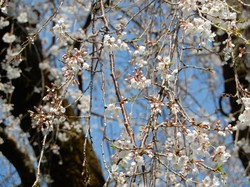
[
  {"x": 63, "y": 137},
  {"x": 244, "y": 118},
  {"x": 22, "y": 18},
  {"x": 9, "y": 38},
  {"x": 220, "y": 155},
  {"x": 60, "y": 28},
  {"x": 140, "y": 84},
  {"x": 13, "y": 73},
  {"x": 3, "y": 23},
  {"x": 140, "y": 50},
  {"x": 124, "y": 46},
  {"x": 114, "y": 110}
]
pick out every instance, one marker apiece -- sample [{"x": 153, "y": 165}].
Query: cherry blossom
[
  {"x": 9, "y": 38},
  {"x": 3, "y": 23},
  {"x": 23, "y": 17},
  {"x": 134, "y": 75}
]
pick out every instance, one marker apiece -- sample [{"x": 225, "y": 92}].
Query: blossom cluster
[
  {"x": 244, "y": 118},
  {"x": 61, "y": 28},
  {"x": 137, "y": 56},
  {"x": 113, "y": 110},
  {"x": 210, "y": 12},
  {"x": 199, "y": 27},
  {"x": 163, "y": 68},
  {"x": 23, "y": 17},
  {"x": 216, "y": 11},
  {"x": 155, "y": 104},
  {"x": 51, "y": 113},
  {"x": 138, "y": 80},
  {"x": 125, "y": 161},
  {"x": 66, "y": 127},
  {"x": 185, "y": 154},
  {"x": 75, "y": 62},
  {"x": 12, "y": 62},
  {"x": 5, "y": 109},
  {"x": 111, "y": 43},
  {"x": 3, "y": 23}
]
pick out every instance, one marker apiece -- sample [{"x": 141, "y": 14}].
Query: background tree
[
  {"x": 64, "y": 168},
  {"x": 236, "y": 73},
  {"x": 143, "y": 80}
]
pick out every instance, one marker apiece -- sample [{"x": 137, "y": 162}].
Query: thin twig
[{"x": 40, "y": 160}]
